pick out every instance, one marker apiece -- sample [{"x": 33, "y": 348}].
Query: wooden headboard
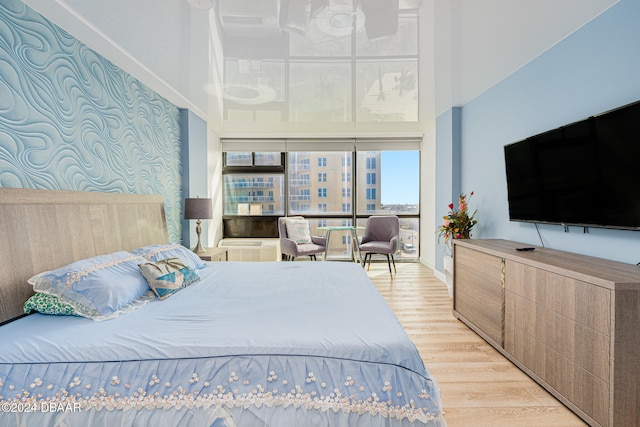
[{"x": 42, "y": 230}]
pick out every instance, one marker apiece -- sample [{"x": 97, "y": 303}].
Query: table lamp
[{"x": 198, "y": 209}]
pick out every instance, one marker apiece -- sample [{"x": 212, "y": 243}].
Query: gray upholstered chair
[
  {"x": 381, "y": 237},
  {"x": 291, "y": 250}
]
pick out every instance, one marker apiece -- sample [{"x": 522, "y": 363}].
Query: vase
[{"x": 448, "y": 273}]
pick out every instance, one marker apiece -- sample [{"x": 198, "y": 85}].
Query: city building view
[{"x": 330, "y": 189}]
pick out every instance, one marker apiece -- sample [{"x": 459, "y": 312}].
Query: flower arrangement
[{"x": 458, "y": 223}]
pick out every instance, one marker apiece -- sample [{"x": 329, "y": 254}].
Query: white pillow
[{"x": 298, "y": 230}]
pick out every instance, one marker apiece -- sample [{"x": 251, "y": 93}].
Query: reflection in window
[
  {"x": 254, "y": 90},
  {"x": 403, "y": 43},
  {"x": 313, "y": 40},
  {"x": 387, "y": 91},
  {"x": 320, "y": 92},
  {"x": 329, "y": 64}
]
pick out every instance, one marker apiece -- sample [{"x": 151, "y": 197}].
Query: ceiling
[{"x": 466, "y": 46}]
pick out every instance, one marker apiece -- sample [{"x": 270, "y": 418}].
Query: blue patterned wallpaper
[{"x": 72, "y": 120}]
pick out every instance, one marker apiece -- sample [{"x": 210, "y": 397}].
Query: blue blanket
[{"x": 299, "y": 343}]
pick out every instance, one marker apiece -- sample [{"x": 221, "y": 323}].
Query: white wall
[{"x": 428, "y": 199}]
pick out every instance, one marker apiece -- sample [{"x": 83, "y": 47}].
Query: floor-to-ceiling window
[{"x": 330, "y": 182}]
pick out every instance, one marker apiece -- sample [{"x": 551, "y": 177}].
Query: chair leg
[
  {"x": 394, "y": 264},
  {"x": 389, "y": 262},
  {"x": 313, "y": 257},
  {"x": 369, "y": 267}
]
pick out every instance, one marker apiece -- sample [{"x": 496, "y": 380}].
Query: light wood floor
[{"x": 479, "y": 386}]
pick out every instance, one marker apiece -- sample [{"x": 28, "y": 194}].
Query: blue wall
[
  {"x": 448, "y": 171},
  {"x": 595, "y": 69},
  {"x": 71, "y": 120},
  {"x": 194, "y": 171}
]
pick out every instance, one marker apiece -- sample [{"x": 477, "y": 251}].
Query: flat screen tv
[{"x": 586, "y": 173}]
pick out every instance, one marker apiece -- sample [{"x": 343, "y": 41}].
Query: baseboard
[
  {"x": 440, "y": 276},
  {"x": 437, "y": 274}
]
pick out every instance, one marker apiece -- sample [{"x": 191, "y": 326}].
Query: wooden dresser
[{"x": 571, "y": 322}]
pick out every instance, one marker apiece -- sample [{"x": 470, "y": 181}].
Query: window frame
[
  {"x": 253, "y": 169},
  {"x": 363, "y": 176}
]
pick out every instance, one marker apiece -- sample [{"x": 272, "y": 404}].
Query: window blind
[{"x": 321, "y": 144}]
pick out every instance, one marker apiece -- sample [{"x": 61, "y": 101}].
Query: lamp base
[{"x": 199, "y": 249}]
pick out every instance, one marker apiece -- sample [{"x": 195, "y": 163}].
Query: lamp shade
[{"x": 197, "y": 208}]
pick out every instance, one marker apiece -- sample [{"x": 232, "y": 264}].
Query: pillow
[
  {"x": 48, "y": 304},
  {"x": 171, "y": 250},
  {"x": 168, "y": 276},
  {"x": 298, "y": 230},
  {"x": 96, "y": 287}
]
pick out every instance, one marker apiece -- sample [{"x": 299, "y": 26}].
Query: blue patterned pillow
[
  {"x": 48, "y": 304},
  {"x": 168, "y": 276},
  {"x": 171, "y": 250},
  {"x": 96, "y": 287}
]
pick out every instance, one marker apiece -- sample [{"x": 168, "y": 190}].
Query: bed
[{"x": 274, "y": 344}]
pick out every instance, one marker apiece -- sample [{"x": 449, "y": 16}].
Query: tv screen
[{"x": 586, "y": 173}]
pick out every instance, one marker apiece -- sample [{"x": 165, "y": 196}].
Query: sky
[{"x": 400, "y": 177}]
